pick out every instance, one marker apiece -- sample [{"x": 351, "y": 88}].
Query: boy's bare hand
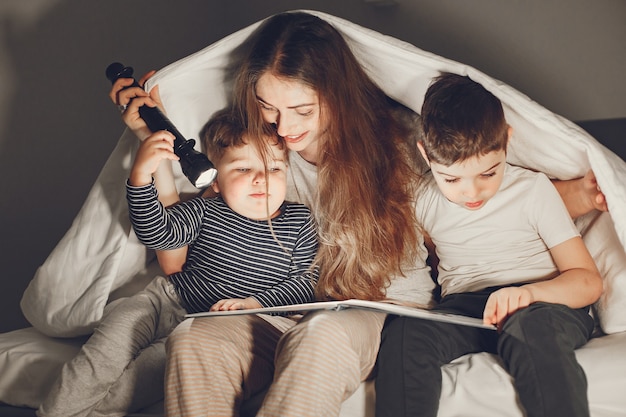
[
  {"x": 156, "y": 148},
  {"x": 504, "y": 302},
  {"x": 236, "y": 304}
]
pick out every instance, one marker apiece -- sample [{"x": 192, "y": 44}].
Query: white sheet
[
  {"x": 29, "y": 361},
  {"x": 99, "y": 253}
]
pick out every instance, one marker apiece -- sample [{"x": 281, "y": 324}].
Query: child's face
[
  {"x": 471, "y": 183},
  {"x": 242, "y": 183}
]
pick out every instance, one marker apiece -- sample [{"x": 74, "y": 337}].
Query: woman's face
[{"x": 295, "y": 110}]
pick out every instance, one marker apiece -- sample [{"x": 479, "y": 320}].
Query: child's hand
[
  {"x": 236, "y": 304},
  {"x": 151, "y": 152},
  {"x": 504, "y": 302}
]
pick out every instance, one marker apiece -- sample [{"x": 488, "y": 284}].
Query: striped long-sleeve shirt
[{"x": 230, "y": 256}]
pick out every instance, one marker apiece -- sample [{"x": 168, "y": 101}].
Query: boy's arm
[
  {"x": 153, "y": 226},
  {"x": 160, "y": 228},
  {"x": 578, "y": 285},
  {"x": 172, "y": 260},
  {"x": 297, "y": 288},
  {"x": 581, "y": 195},
  {"x": 165, "y": 184},
  {"x": 153, "y": 156}
]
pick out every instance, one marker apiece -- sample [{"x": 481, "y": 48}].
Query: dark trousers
[{"x": 536, "y": 345}]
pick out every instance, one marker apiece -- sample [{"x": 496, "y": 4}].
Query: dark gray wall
[{"x": 57, "y": 126}]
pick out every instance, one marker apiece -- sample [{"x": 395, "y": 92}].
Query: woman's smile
[{"x": 294, "y": 138}]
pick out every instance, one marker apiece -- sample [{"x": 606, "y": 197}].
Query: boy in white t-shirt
[{"x": 507, "y": 252}]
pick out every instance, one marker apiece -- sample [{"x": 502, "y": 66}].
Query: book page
[{"x": 387, "y": 306}]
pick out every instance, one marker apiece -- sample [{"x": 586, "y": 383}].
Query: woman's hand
[
  {"x": 156, "y": 148},
  {"x": 122, "y": 94},
  {"x": 582, "y": 195},
  {"x": 236, "y": 304},
  {"x": 594, "y": 195}
]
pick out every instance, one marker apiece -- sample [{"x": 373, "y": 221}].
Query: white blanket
[{"x": 100, "y": 259}]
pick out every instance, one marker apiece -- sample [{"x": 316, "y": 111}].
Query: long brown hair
[{"x": 366, "y": 180}]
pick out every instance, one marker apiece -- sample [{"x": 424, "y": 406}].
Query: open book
[{"x": 388, "y": 307}]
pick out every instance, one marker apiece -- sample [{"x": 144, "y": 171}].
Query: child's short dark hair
[
  {"x": 225, "y": 130},
  {"x": 461, "y": 120},
  {"x": 222, "y": 131}
]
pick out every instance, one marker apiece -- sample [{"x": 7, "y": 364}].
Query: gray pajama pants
[{"x": 120, "y": 368}]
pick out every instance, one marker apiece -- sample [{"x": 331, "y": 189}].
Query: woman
[
  {"x": 352, "y": 169},
  {"x": 348, "y": 162}
]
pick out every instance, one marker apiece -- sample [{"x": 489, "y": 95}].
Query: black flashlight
[{"x": 195, "y": 165}]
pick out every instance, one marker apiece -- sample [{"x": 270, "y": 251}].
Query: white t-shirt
[
  {"x": 505, "y": 242},
  {"x": 414, "y": 286}
]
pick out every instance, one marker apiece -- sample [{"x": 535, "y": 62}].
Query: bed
[{"x": 99, "y": 260}]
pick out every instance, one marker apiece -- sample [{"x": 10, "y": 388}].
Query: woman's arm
[{"x": 581, "y": 195}]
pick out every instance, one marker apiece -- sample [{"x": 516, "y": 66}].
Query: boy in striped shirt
[{"x": 248, "y": 248}]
